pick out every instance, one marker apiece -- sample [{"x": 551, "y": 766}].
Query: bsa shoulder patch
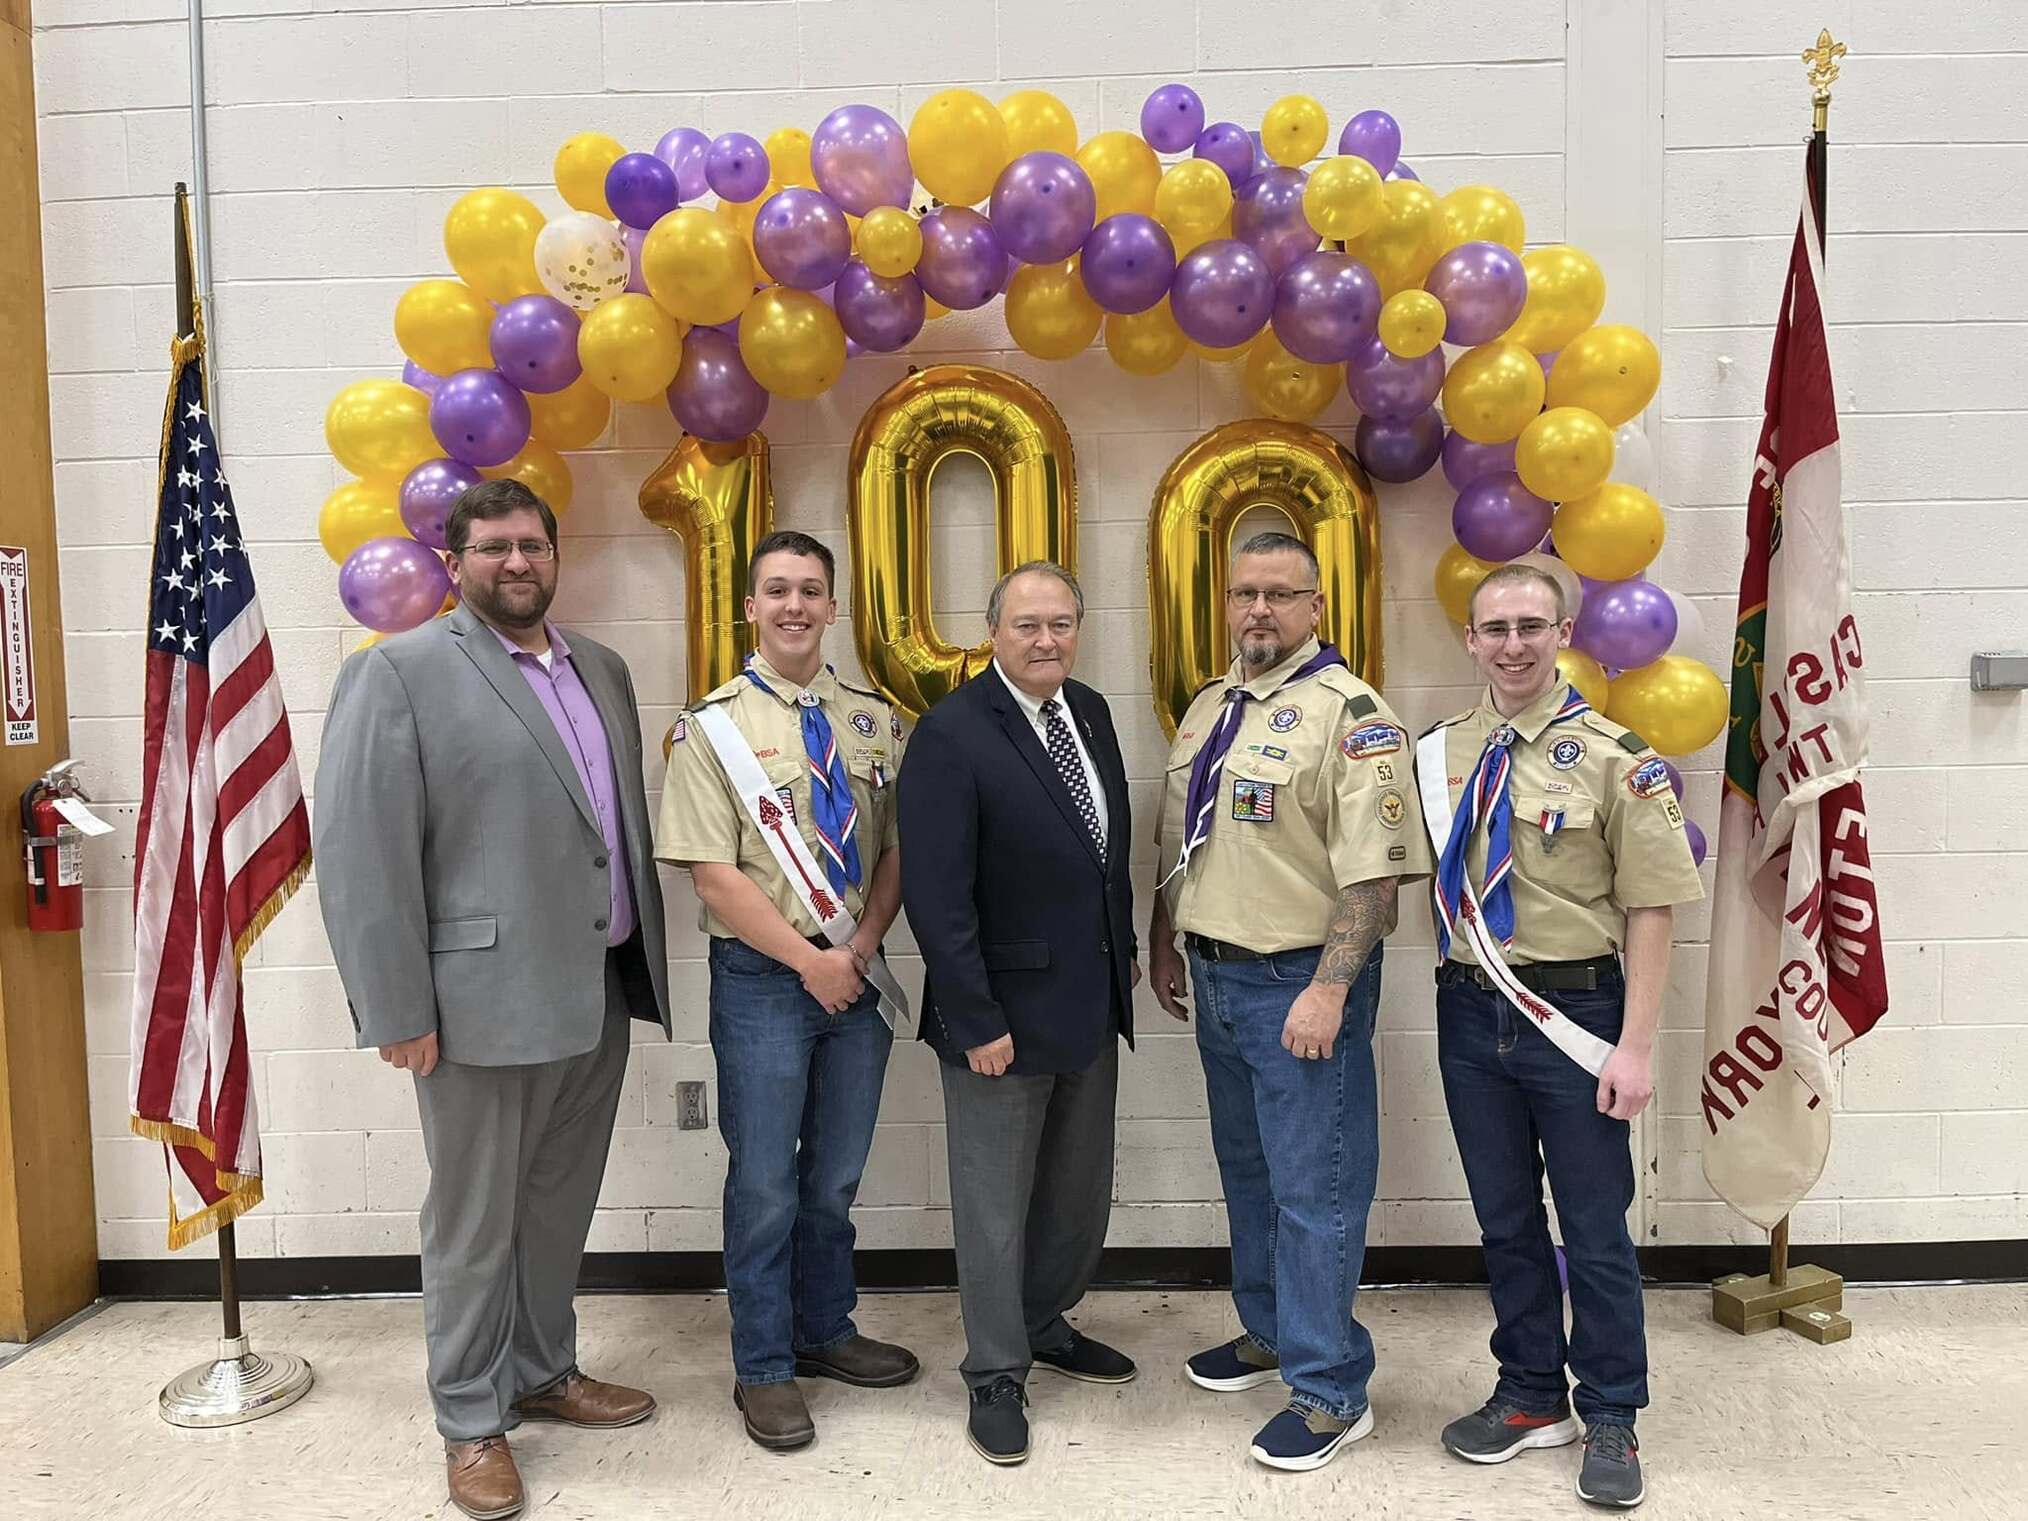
[
  {"x": 1284, "y": 719},
  {"x": 1566, "y": 754},
  {"x": 1649, "y": 779},
  {"x": 1253, "y": 802},
  {"x": 1391, "y": 808},
  {"x": 1369, "y": 740},
  {"x": 862, "y": 722}
]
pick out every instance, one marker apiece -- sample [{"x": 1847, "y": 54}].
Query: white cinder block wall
[{"x": 341, "y": 130}]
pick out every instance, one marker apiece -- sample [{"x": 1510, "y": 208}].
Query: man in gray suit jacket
[{"x": 488, "y": 883}]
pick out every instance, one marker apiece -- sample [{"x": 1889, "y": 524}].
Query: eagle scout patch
[
  {"x": 1565, "y": 754},
  {"x": 862, "y": 721},
  {"x": 1253, "y": 802},
  {"x": 1369, "y": 740},
  {"x": 1391, "y": 809},
  {"x": 1284, "y": 719},
  {"x": 1650, "y": 778}
]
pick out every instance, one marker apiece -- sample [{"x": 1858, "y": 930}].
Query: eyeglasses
[
  {"x": 1278, "y": 597},
  {"x": 1527, "y": 628},
  {"x": 500, "y": 549}
]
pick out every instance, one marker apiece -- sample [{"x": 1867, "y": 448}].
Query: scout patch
[
  {"x": 1383, "y": 771},
  {"x": 1565, "y": 754},
  {"x": 1272, "y": 752},
  {"x": 1673, "y": 813},
  {"x": 1253, "y": 802},
  {"x": 1371, "y": 739},
  {"x": 679, "y": 731},
  {"x": 862, "y": 720},
  {"x": 787, "y": 795},
  {"x": 1649, "y": 779},
  {"x": 1391, "y": 808},
  {"x": 894, "y": 724},
  {"x": 1284, "y": 719}
]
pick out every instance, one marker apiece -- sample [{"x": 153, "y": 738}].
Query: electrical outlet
[{"x": 690, "y": 1113}]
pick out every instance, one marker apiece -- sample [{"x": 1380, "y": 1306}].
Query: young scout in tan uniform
[
  {"x": 796, "y": 1029},
  {"x": 1593, "y": 835},
  {"x": 1288, "y": 816}
]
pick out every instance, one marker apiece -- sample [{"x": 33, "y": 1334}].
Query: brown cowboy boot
[
  {"x": 776, "y": 1415},
  {"x": 581, "y": 1401},
  {"x": 484, "y": 1482}
]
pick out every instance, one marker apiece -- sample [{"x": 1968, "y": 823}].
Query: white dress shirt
[{"x": 1032, "y": 706}]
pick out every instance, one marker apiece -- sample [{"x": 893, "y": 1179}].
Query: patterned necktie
[
  {"x": 1488, "y": 795},
  {"x": 1063, "y": 750},
  {"x": 834, "y": 813}
]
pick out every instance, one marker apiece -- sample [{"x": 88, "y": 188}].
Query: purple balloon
[
  {"x": 1042, "y": 208},
  {"x": 1223, "y": 293},
  {"x": 429, "y": 493},
  {"x": 1128, "y": 262},
  {"x": 1675, "y": 778},
  {"x": 736, "y": 168},
  {"x": 535, "y": 343},
  {"x": 962, "y": 264},
  {"x": 1226, "y": 144},
  {"x": 641, "y": 189},
  {"x": 479, "y": 417},
  {"x": 635, "y": 239},
  {"x": 877, "y": 313},
  {"x": 1694, "y": 838},
  {"x": 1392, "y": 389},
  {"x": 1171, "y": 118},
  {"x": 685, "y": 149},
  {"x": 1465, "y": 461},
  {"x": 713, "y": 396},
  {"x": 859, "y": 157},
  {"x": 1327, "y": 307},
  {"x": 1401, "y": 171},
  {"x": 1398, "y": 451},
  {"x": 392, "y": 584},
  {"x": 1374, "y": 136},
  {"x": 1268, "y": 214},
  {"x": 1483, "y": 288},
  {"x": 1625, "y": 623},
  {"x": 1497, "y": 518},
  {"x": 413, "y": 374},
  {"x": 801, "y": 238}
]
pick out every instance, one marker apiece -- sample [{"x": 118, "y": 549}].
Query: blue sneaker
[
  {"x": 1611, "y": 1474},
  {"x": 1300, "y": 1438},
  {"x": 1241, "y": 1363}
]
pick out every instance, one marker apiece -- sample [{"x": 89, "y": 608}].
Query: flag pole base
[
  {"x": 1750, "y": 1305},
  {"x": 238, "y": 1385}
]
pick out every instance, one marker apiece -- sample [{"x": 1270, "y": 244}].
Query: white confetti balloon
[{"x": 581, "y": 260}]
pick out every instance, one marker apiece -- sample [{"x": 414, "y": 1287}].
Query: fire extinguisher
[{"x": 54, "y": 850}]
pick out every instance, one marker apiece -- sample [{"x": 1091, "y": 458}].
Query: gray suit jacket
[{"x": 460, "y": 864}]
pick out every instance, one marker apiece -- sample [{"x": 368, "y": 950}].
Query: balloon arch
[{"x": 719, "y": 274}]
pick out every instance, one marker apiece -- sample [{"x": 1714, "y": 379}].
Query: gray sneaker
[
  {"x": 1612, "y": 1467},
  {"x": 1500, "y": 1429}
]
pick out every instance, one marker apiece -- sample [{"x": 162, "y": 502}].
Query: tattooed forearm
[{"x": 1365, "y": 911}]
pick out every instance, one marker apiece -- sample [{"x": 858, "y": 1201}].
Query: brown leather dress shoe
[
  {"x": 484, "y": 1482},
  {"x": 776, "y": 1415},
  {"x": 860, "y": 1360},
  {"x": 582, "y": 1401}
]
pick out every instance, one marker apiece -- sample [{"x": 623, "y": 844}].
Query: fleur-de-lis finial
[{"x": 1823, "y": 62}]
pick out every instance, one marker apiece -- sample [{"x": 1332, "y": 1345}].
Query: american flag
[{"x": 223, "y": 836}]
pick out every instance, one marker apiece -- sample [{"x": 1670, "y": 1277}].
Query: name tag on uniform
[{"x": 1253, "y": 802}]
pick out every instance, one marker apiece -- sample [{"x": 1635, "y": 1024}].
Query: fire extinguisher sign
[{"x": 17, "y": 652}]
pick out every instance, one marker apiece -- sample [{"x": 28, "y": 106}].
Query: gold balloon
[
  {"x": 1412, "y": 323},
  {"x": 717, "y": 499},
  {"x": 1010, "y": 427},
  {"x": 1492, "y": 392},
  {"x": 1566, "y": 292},
  {"x": 542, "y": 470},
  {"x": 1210, "y": 355},
  {"x": 788, "y": 150},
  {"x": 1049, "y": 312},
  {"x": 1458, "y": 575},
  {"x": 1184, "y": 244},
  {"x": 933, "y": 308},
  {"x": 1342, "y": 198},
  {"x": 1123, "y": 171},
  {"x": 1400, "y": 248},
  {"x": 1192, "y": 198},
  {"x": 630, "y": 348},
  {"x": 1676, "y": 704},
  {"x": 1285, "y": 387},
  {"x": 740, "y": 216},
  {"x": 1584, "y": 673},
  {"x": 1479, "y": 214},
  {"x": 1315, "y": 483},
  {"x": 697, "y": 267},
  {"x": 1565, "y": 452},
  {"x": 1037, "y": 122},
  {"x": 572, "y": 418},
  {"x": 581, "y": 165},
  {"x": 1293, "y": 130},
  {"x": 1612, "y": 370},
  {"x": 957, "y": 142},
  {"x": 1610, "y": 534},
  {"x": 1145, "y": 343},
  {"x": 791, "y": 342},
  {"x": 890, "y": 242},
  {"x": 444, "y": 326},
  {"x": 380, "y": 428},
  {"x": 358, "y": 511},
  {"x": 490, "y": 237}
]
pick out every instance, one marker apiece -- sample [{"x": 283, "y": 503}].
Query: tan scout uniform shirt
[
  {"x": 1315, "y": 795},
  {"x": 702, "y": 818},
  {"x": 1620, "y": 845}
]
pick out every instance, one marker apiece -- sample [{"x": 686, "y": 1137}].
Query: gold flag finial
[{"x": 1823, "y": 62}]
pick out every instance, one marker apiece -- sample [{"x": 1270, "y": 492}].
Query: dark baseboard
[{"x": 1139, "y": 1267}]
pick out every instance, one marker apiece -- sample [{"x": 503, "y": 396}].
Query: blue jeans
[
  {"x": 1298, "y": 1145},
  {"x": 798, "y": 1094},
  {"x": 1518, "y": 1104}
]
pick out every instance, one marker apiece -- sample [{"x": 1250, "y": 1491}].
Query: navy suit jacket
[{"x": 1025, "y": 925}]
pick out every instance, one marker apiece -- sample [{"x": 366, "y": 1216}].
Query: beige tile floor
[{"x": 1920, "y": 1414}]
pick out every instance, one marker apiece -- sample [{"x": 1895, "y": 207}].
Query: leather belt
[
  {"x": 1220, "y": 950},
  {"x": 1537, "y": 976}
]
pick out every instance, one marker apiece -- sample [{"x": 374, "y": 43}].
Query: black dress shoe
[
  {"x": 998, "y": 1426},
  {"x": 1092, "y": 1361}
]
